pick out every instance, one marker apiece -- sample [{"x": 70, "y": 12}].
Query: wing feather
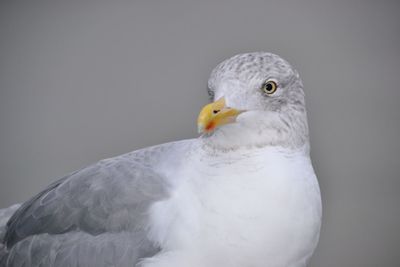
[{"x": 92, "y": 212}]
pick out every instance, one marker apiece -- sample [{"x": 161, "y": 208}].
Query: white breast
[{"x": 253, "y": 208}]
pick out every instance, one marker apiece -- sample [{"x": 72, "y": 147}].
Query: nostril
[{"x": 215, "y": 111}]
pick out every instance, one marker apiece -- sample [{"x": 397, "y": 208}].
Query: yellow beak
[{"x": 214, "y": 115}]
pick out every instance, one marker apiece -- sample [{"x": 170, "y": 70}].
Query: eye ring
[{"x": 269, "y": 87}]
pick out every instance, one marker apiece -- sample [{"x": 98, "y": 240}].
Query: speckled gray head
[{"x": 271, "y": 92}]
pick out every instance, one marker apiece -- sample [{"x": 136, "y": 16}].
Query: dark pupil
[{"x": 268, "y": 87}]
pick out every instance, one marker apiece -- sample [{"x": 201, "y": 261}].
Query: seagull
[{"x": 242, "y": 194}]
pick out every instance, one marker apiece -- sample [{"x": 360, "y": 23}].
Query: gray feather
[
  {"x": 96, "y": 216},
  {"x": 81, "y": 249}
]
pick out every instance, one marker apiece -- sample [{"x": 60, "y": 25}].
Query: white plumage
[{"x": 257, "y": 207}]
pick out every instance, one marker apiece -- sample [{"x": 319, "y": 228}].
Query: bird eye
[{"x": 269, "y": 87}]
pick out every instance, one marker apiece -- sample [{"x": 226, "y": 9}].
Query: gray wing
[
  {"x": 95, "y": 216},
  {"x": 5, "y": 215}
]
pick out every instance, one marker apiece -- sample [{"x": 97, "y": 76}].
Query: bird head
[{"x": 258, "y": 99}]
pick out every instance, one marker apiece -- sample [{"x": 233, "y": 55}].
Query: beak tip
[{"x": 200, "y": 129}]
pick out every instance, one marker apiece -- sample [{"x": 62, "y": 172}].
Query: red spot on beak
[{"x": 210, "y": 126}]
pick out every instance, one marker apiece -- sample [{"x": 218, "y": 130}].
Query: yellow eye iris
[{"x": 269, "y": 87}]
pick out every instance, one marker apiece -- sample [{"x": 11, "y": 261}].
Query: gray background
[{"x": 85, "y": 80}]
